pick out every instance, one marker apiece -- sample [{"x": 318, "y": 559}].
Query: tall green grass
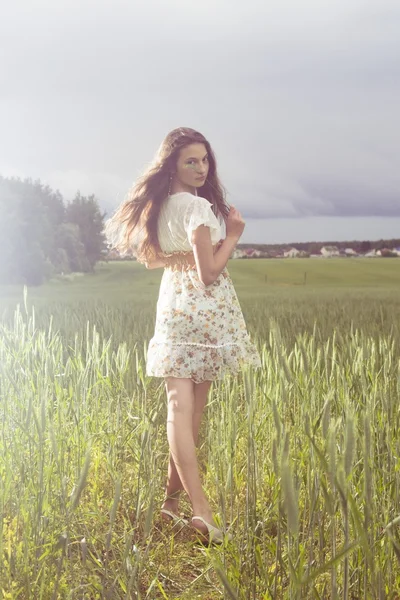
[{"x": 300, "y": 458}]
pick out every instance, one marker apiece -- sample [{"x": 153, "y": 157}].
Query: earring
[{"x": 170, "y": 185}]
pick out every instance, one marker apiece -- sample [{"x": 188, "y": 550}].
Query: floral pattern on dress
[{"x": 200, "y": 332}]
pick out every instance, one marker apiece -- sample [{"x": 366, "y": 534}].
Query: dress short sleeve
[{"x": 199, "y": 212}]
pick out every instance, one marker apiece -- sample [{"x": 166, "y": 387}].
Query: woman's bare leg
[
  {"x": 181, "y": 411},
  {"x": 174, "y": 484}
]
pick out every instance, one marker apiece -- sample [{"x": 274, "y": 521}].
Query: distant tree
[
  {"x": 40, "y": 236},
  {"x": 85, "y": 213},
  {"x": 72, "y": 255},
  {"x": 28, "y": 230},
  {"x": 314, "y": 248},
  {"x": 9, "y": 232},
  {"x": 365, "y": 246}
]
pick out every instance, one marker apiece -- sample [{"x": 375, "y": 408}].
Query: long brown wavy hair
[{"x": 133, "y": 227}]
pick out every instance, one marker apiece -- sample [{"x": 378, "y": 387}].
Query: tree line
[
  {"x": 361, "y": 247},
  {"x": 41, "y": 235}
]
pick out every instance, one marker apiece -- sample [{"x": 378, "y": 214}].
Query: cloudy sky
[{"x": 300, "y": 101}]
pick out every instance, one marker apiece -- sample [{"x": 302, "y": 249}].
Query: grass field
[{"x": 300, "y": 457}]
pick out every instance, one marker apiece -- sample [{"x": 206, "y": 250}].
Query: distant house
[
  {"x": 329, "y": 251},
  {"x": 270, "y": 254},
  {"x": 371, "y": 254},
  {"x": 246, "y": 253},
  {"x": 292, "y": 253},
  {"x": 251, "y": 253},
  {"x": 350, "y": 252},
  {"x": 237, "y": 253},
  {"x": 386, "y": 252}
]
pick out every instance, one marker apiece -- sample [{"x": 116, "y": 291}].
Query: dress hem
[{"x": 200, "y": 362}]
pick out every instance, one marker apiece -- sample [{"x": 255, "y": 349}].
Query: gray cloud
[{"x": 299, "y": 100}]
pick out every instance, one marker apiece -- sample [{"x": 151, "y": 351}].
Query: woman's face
[{"x": 192, "y": 165}]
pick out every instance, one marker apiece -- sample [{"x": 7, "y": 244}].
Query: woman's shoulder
[
  {"x": 182, "y": 196},
  {"x": 188, "y": 199},
  {"x": 184, "y": 212},
  {"x": 187, "y": 196}
]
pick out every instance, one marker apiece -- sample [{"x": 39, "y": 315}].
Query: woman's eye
[{"x": 191, "y": 162}]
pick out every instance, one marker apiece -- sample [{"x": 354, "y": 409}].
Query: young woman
[{"x": 200, "y": 333}]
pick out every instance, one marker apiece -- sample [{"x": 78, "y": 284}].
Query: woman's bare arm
[{"x": 210, "y": 265}]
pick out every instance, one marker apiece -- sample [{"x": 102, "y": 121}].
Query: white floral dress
[{"x": 200, "y": 332}]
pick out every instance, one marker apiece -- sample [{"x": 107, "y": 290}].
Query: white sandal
[
  {"x": 174, "y": 517},
  {"x": 215, "y": 535}
]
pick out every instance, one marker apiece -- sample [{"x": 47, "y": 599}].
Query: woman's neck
[{"x": 191, "y": 190}]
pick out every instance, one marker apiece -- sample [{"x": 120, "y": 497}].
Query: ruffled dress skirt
[{"x": 200, "y": 332}]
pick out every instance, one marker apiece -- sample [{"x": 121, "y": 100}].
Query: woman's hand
[{"x": 234, "y": 224}]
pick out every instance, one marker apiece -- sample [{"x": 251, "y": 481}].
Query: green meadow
[{"x": 300, "y": 458}]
